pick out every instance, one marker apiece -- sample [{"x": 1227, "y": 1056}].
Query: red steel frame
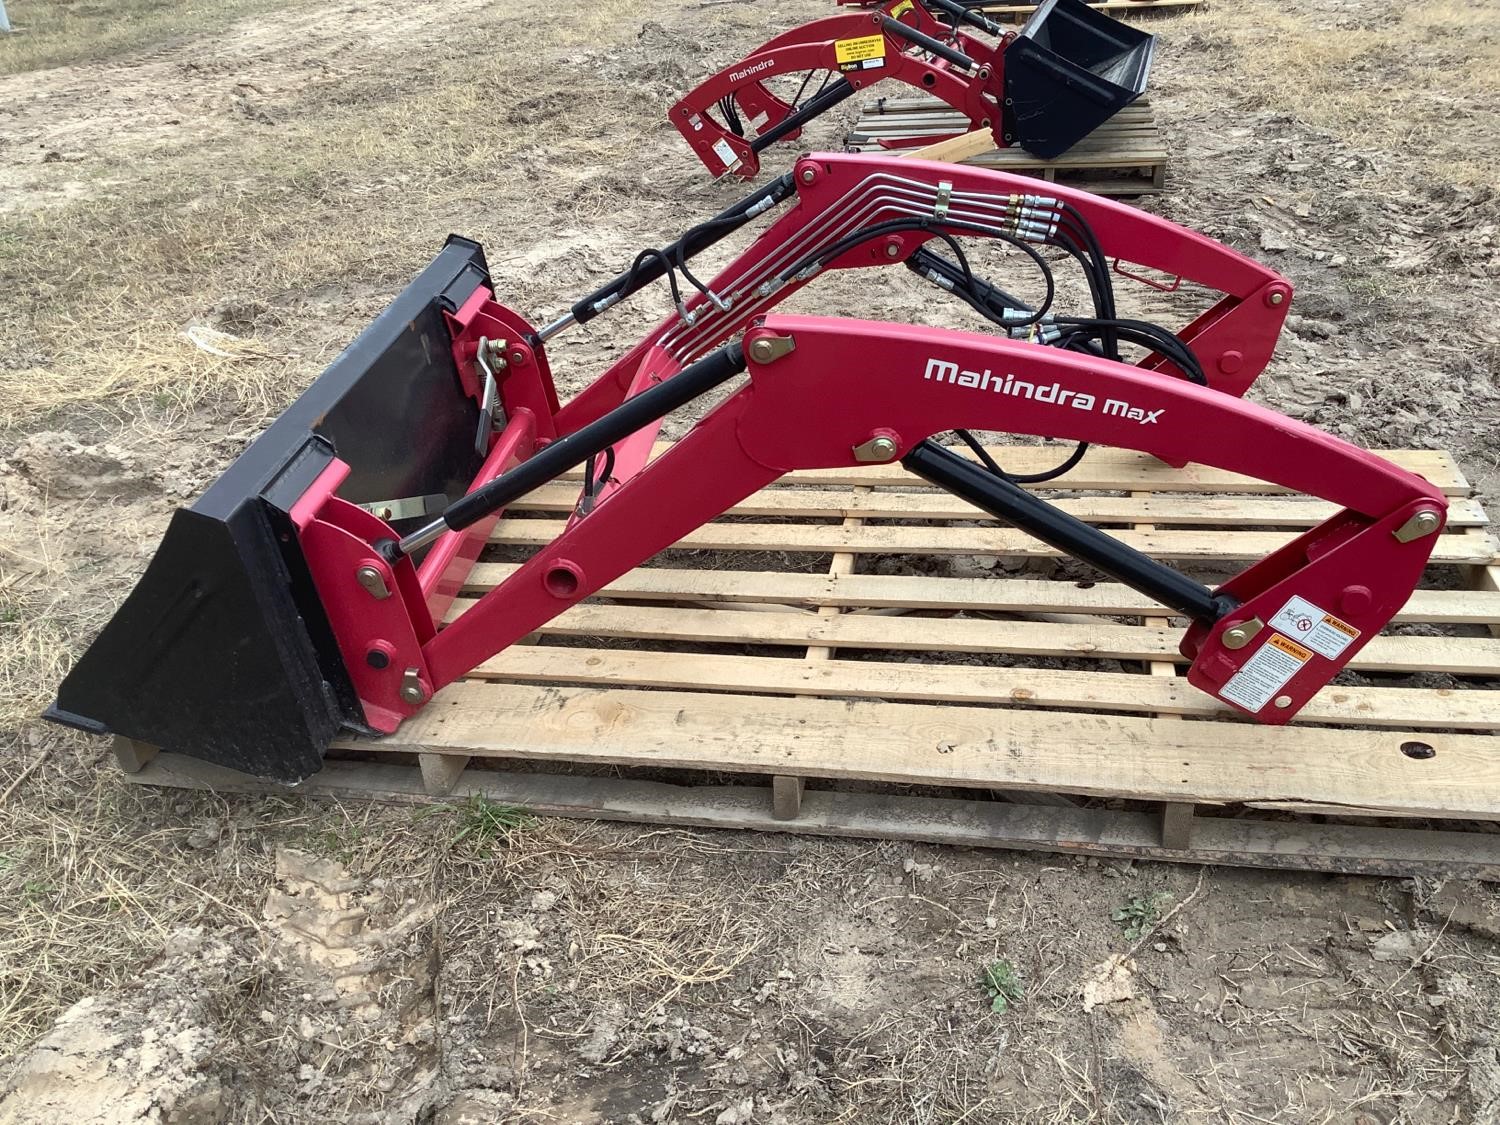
[
  {"x": 813, "y": 47},
  {"x": 841, "y": 384}
]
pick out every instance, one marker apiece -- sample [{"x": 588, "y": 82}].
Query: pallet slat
[
  {"x": 1121, "y": 470},
  {"x": 1470, "y": 656},
  {"x": 929, "y": 683},
  {"x": 1292, "y": 845},
  {"x": 983, "y": 824},
  {"x": 784, "y": 503},
  {"x": 995, "y": 595},
  {"x": 1469, "y": 546},
  {"x": 1119, "y": 756}
]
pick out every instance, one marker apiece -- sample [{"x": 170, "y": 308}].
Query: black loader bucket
[
  {"x": 1069, "y": 70},
  {"x": 223, "y": 651}
]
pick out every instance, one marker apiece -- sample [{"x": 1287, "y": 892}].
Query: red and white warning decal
[
  {"x": 1265, "y": 673},
  {"x": 726, "y": 154},
  {"x": 1322, "y": 632}
]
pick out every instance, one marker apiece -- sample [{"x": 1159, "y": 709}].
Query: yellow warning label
[
  {"x": 858, "y": 53},
  {"x": 1291, "y": 648},
  {"x": 1342, "y": 626},
  {"x": 901, "y": 9}
]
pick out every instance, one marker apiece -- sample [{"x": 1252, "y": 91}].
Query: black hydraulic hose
[
  {"x": 1008, "y": 501},
  {"x": 701, "y": 237},
  {"x": 821, "y": 102},
  {"x": 569, "y": 452},
  {"x": 922, "y": 261},
  {"x": 927, "y": 43}
]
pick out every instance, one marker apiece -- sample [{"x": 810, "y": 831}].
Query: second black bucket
[{"x": 1069, "y": 70}]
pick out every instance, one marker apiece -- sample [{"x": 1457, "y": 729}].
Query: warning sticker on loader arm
[
  {"x": 865, "y": 53},
  {"x": 1266, "y": 673},
  {"x": 1322, "y": 632}
]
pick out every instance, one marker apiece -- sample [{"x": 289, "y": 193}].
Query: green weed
[
  {"x": 1140, "y": 913},
  {"x": 1002, "y": 984}
]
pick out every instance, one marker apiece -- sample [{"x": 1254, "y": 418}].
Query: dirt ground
[{"x": 268, "y": 175}]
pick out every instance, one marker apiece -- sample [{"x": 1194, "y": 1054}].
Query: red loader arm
[
  {"x": 898, "y": 40},
  {"x": 840, "y": 393}
]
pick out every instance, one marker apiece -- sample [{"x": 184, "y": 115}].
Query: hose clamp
[{"x": 944, "y": 194}]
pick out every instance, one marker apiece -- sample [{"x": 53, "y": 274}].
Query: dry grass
[
  {"x": 50, "y": 33},
  {"x": 88, "y": 893},
  {"x": 353, "y": 196},
  {"x": 1382, "y": 84}
]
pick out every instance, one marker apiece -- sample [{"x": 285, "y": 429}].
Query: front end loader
[
  {"x": 1044, "y": 87},
  {"x": 308, "y": 592}
]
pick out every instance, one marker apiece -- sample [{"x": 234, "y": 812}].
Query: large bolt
[
  {"x": 1276, "y": 297},
  {"x": 761, "y": 351},
  {"x": 809, "y": 175},
  {"x": 892, "y": 248}
]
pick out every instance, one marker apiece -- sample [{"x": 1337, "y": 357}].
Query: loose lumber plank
[
  {"x": 1171, "y": 694},
  {"x": 1466, "y": 546},
  {"x": 939, "y": 820},
  {"x": 956, "y": 149},
  {"x": 1163, "y": 511},
  {"x": 1472, "y": 656},
  {"x": 996, "y": 595},
  {"x": 1121, "y": 470},
  {"x": 1090, "y": 755}
]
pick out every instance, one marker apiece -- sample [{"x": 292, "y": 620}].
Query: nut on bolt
[
  {"x": 880, "y": 448},
  {"x": 412, "y": 690},
  {"x": 373, "y": 581},
  {"x": 809, "y": 175},
  {"x": 1421, "y": 524},
  {"x": 768, "y": 349},
  {"x": 1238, "y": 636}
]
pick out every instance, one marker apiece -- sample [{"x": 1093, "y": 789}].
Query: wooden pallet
[
  {"x": 1124, "y": 156},
  {"x": 690, "y": 694},
  {"x": 1019, "y": 13}
]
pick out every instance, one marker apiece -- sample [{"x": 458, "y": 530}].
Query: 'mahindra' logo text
[
  {"x": 737, "y": 75},
  {"x": 941, "y": 371}
]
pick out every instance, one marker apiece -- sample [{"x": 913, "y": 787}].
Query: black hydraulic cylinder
[
  {"x": 965, "y": 15},
  {"x": 701, "y": 237},
  {"x": 927, "y": 43},
  {"x": 819, "y": 103},
  {"x": 1008, "y": 501},
  {"x": 566, "y": 453}
]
